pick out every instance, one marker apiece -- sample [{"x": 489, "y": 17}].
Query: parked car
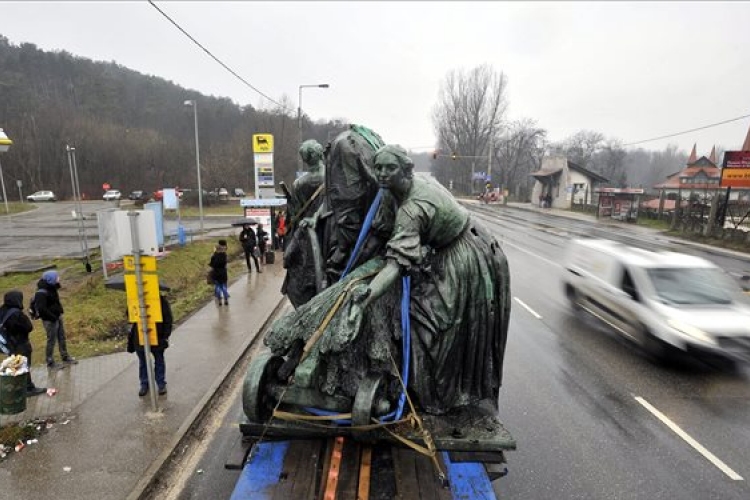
[
  {"x": 239, "y": 192},
  {"x": 112, "y": 195},
  {"x": 138, "y": 195},
  {"x": 663, "y": 301},
  {"x": 42, "y": 196}
]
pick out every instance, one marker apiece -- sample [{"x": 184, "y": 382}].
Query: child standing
[{"x": 219, "y": 270}]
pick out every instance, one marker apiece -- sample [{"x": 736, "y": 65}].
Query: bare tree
[
  {"x": 609, "y": 161},
  {"x": 518, "y": 152},
  {"x": 580, "y": 147},
  {"x": 470, "y": 110},
  {"x": 647, "y": 168}
]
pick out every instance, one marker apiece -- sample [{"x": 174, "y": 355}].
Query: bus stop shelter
[{"x": 618, "y": 203}]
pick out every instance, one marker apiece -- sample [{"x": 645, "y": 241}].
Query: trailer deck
[{"x": 338, "y": 467}]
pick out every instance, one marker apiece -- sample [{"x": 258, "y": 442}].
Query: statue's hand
[
  {"x": 360, "y": 293},
  {"x": 355, "y": 311},
  {"x": 311, "y": 221}
]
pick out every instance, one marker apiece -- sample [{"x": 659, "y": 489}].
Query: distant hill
[{"x": 130, "y": 130}]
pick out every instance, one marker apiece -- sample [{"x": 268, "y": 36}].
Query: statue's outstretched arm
[{"x": 364, "y": 295}]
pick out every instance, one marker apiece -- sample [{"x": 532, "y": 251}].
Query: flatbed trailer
[{"x": 343, "y": 468}]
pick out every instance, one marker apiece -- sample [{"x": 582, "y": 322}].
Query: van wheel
[
  {"x": 573, "y": 297},
  {"x": 655, "y": 348}
]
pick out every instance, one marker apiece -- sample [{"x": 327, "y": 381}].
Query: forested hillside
[{"x": 130, "y": 130}]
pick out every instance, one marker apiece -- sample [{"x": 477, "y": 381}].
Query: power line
[
  {"x": 687, "y": 131},
  {"x": 213, "y": 56}
]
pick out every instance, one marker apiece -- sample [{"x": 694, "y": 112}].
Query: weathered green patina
[
  {"x": 459, "y": 304},
  {"x": 305, "y": 187},
  {"x": 303, "y": 257}
]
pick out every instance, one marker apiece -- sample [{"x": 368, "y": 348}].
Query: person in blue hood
[{"x": 50, "y": 311}]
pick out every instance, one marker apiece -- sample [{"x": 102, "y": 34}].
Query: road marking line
[
  {"x": 524, "y": 250},
  {"x": 692, "y": 442},
  {"x": 533, "y": 313}
]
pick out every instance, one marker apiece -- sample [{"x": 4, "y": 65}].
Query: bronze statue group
[{"x": 389, "y": 275}]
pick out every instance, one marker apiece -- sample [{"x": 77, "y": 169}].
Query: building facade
[{"x": 560, "y": 183}]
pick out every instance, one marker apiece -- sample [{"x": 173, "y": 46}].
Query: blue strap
[
  {"x": 405, "y": 348},
  {"x": 363, "y": 232},
  {"x": 327, "y": 413}
]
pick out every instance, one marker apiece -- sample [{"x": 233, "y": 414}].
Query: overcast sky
[{"x": 631, "y": 70}]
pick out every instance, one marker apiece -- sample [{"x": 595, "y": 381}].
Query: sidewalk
[{"x": 111, "y": 437}]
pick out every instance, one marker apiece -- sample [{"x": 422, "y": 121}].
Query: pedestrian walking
[
  {"x": 46, "y": 303},
  {"x": 281, "y": 230},
  {"x": 250, "y": 246},
  {"x": 163, "y": 331},
  {"x": 18, "y": 326},
  {"x": 262, "y": 236},
  {"x": 219, "y": 270}
]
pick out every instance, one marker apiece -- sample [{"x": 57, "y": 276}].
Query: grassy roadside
[
  {"x": 95, "y": 319},
  {"x": 16, "y": 207},
  {"x": 231, "y": 207}
]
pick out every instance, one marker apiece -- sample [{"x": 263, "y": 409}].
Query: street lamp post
[
  {"x": 5, "y": 145},
  {"x": 76, "y": 187},
  {"x": 194, "y": 104},
  {"x": 299, "y": 115}
]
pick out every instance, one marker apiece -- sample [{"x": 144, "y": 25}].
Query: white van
[{"x": 659, "y": 300}]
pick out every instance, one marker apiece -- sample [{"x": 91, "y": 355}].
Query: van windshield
[{"x": 691, "y": 285}]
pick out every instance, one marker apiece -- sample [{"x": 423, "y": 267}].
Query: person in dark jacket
[
  {"x": 219, "y": 270},
  {"x": 163, "y": 331},
  {"x": 262, "y": 242},
  {"x": 249, "y": 244},
  {"x": 50, "y": 311},
  {"x": 18, "y": 326}
]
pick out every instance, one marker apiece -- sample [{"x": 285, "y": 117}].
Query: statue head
[
  {"x": 393, "y": 168},
  {"x": 311, "y": 152}
]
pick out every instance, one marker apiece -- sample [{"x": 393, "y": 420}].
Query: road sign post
[{"x": 144, "y": 305}]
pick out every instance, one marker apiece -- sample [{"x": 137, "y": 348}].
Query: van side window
[{"x": 628, "y": 286}]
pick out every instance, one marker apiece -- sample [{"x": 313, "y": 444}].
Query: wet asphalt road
[
  {"x": 575, "y": 395},
  {"x": 573, "y": 391}
]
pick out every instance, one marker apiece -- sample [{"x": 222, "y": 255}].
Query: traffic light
[{"x": 453, "y": 156}]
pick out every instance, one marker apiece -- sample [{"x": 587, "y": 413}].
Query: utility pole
[{"x": 489, "y": 158}]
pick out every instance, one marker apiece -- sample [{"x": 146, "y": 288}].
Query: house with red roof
[{"x": 699, "y": 180}]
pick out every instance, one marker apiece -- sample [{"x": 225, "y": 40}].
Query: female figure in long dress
[{"x": 459, "y": 304}]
